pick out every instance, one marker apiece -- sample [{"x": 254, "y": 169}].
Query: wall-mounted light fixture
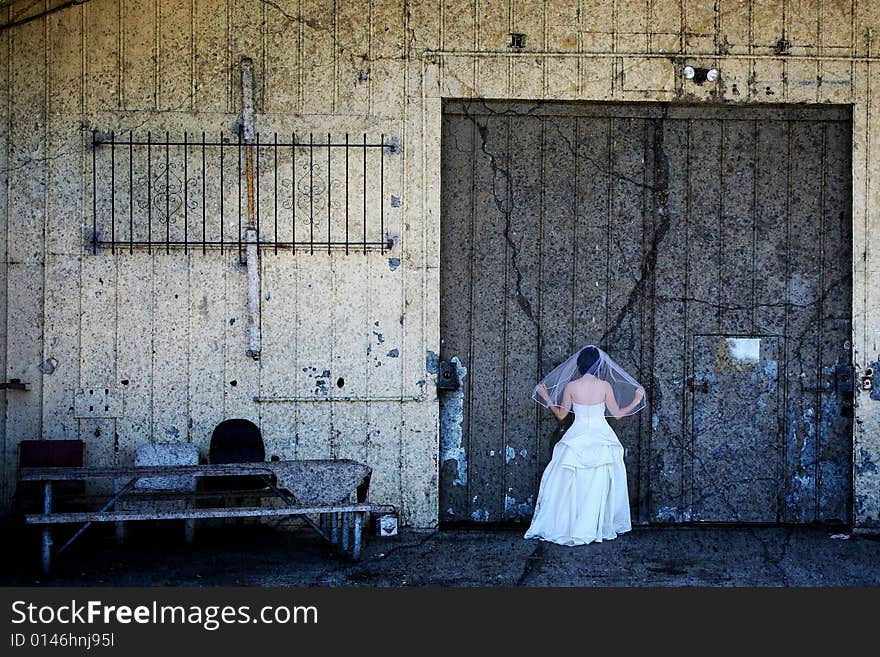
[{"x": 700, "y": 75}]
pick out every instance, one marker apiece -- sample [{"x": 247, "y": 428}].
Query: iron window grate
[{"x": 197, "y": 192}]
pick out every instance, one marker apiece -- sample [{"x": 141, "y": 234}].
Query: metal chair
[{"x": 236, "y": 441}]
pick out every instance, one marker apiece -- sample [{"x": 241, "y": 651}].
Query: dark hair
[{"x": 587, "y": 358}]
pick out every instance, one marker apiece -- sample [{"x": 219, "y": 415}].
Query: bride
[{"x": 583, "y": 495}]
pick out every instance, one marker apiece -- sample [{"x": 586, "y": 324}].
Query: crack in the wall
[
  {"x": 620, "y": 177},
  {"x": 408, "y": 48},
  {"x": 27, "y": 161},
  {"x": 599, "y": 166},
  {"x": 660, "y": 191},
  {"x": 290, "y": 19},
  {"x": 504, "y": 203}
]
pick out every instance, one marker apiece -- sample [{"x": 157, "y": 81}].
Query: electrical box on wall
[{"x": 98, "y": 401}]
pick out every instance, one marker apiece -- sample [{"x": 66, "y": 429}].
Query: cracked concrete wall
[{"x": 159, "y": 328}]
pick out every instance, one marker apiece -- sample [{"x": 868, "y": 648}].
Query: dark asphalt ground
[{"x": 263, "y": 555}]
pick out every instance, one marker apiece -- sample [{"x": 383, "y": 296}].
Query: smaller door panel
[{"x": 736, "y": 433}]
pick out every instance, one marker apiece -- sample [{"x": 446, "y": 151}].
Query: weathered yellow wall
[{"x": 162, "y": 322}]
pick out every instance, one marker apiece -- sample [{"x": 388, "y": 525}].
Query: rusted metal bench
[{"x": 320, "y": 488}]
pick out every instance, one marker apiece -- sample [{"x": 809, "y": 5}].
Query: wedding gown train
[{"x": 583, "y": 495}]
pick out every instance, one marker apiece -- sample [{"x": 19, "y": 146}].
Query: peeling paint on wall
[
  {"x": 432, "y": 363},
  {"x": 865, "y": 463},
  {"x": 672, "y": 514},
  {"x": 874, "y": 395},
  {"x": 452, "y": 455},
  {"x": 519, "y": 509},
  {"x": 480, "y": 515}
]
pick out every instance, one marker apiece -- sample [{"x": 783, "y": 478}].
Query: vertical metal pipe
[
  {"x": 47, "y": 529},
  {"x": 253, "y": 206},
  {"x": 255, "y": 183},
  {"x": 247, "y": 98},
  {"x": 275, "y": 191},
  {"x": 247, "y": 132},
  {"x": 249, "y": 183},
  {"x": 253, "y": 293}
]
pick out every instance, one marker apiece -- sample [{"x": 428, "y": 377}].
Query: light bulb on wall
[{"x": 700, "y": 75}]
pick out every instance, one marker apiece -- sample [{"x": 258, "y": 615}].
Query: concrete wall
[{"x": 163, "y": 322}]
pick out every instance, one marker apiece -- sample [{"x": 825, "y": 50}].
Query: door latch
[
  {"x": 701, "y": 386},
  {"x": 14, "y": 384},
  {"x": 448, "y": 379}
]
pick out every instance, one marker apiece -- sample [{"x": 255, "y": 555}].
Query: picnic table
[{"x": 322, "y": 488}]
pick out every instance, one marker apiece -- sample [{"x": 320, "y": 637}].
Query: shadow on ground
[{"x": 257, "y": 554}]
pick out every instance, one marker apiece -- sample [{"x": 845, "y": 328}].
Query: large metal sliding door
[{"x": 708, "y": 249}]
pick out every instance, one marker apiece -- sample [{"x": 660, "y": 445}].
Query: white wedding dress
[{"x": 583, "y": 495}]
